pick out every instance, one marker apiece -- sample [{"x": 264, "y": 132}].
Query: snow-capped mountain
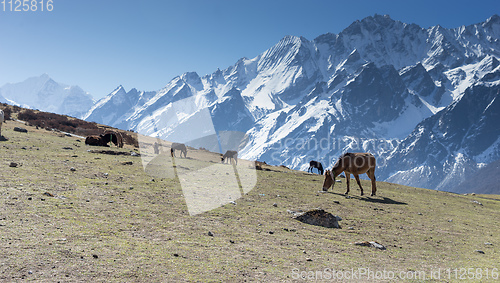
[
  {"x": 116, "y": 107},
  {"x": 45, "y": 94},
  {"x": 421, "y": 100}
]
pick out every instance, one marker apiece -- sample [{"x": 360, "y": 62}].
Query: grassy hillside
[{"x": 67, "y": 214}]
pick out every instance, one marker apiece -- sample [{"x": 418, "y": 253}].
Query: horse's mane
[
  {"x": 346, "y": 154},
  {"x": 337, "y": 164}
]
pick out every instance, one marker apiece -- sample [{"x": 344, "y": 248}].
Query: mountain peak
[
  {"x": 44, "y": 76},
  {"x": 117, "y": 90},
  {"x": 191, "y": 77},
  {"x": 382, "y": 18},
  {"x": 370, "y": 23},
  {"x": 493, "y": 19},
  {"x": 291, "y": 40}
]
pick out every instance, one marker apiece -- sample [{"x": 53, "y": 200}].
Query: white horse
[{"x": 1, "y": 121}]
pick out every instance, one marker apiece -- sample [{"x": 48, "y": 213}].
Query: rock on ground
[{"x": 319, "y": 217}]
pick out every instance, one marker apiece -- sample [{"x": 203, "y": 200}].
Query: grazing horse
[
  {"x": 1, "y": 121},
  {"x": 317, "y": 165},
  {"x": 230, "y": 154},
  {"x": 178, "y": 146},
  {"x": 352, "y": 163}
]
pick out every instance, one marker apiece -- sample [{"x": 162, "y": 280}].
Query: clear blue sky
[{"x": 100, "y": 44}]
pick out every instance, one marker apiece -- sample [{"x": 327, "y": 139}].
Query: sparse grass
[{"x": 107, "y": 221}]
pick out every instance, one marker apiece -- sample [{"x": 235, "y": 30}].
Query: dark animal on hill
[
  {"x": 317, "y": 165},
  {"x": 104, "y": 139},
  {"x": 352, "y": 163},
  {"x": 230, "y": 154},
  {"x": 112, "y": 136},
  {"x": 95, "y": 141},
  {"x": 178, "y": 146}
]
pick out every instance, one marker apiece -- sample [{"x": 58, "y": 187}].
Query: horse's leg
[
  {"x": 359, "y": 183},
  {"x": 347, "y": 179},
  {"x": 371, "y": 175}
]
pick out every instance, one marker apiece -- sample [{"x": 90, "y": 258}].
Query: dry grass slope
[{"x": 107, "y": 220}]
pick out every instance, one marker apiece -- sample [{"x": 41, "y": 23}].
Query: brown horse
[
  {"x": 352, "y": 163},
  {"x": 317, "y": 165}
]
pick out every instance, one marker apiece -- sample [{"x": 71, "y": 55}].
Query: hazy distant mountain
[
  {"x": 3, "y": 99},
  {"x": 423, "y": 101},
  {"x": 45, "y": 94}
]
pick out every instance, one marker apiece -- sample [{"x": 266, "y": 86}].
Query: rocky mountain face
[
  {"x": 455, "y": 141},
  {"x": 45, "y": 94},
  {"x": 423, "y": 101}
]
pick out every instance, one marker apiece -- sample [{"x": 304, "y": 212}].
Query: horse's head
[{"x": 329, "y": 181}]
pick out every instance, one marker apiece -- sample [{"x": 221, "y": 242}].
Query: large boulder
[{"x": 319, "y": 217}]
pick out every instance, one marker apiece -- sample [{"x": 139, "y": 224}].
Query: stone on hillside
[
  {"x": 319, "y": 217},
  {"x": 21, "y": 130},
  {"x": 370, "y": 244}
]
